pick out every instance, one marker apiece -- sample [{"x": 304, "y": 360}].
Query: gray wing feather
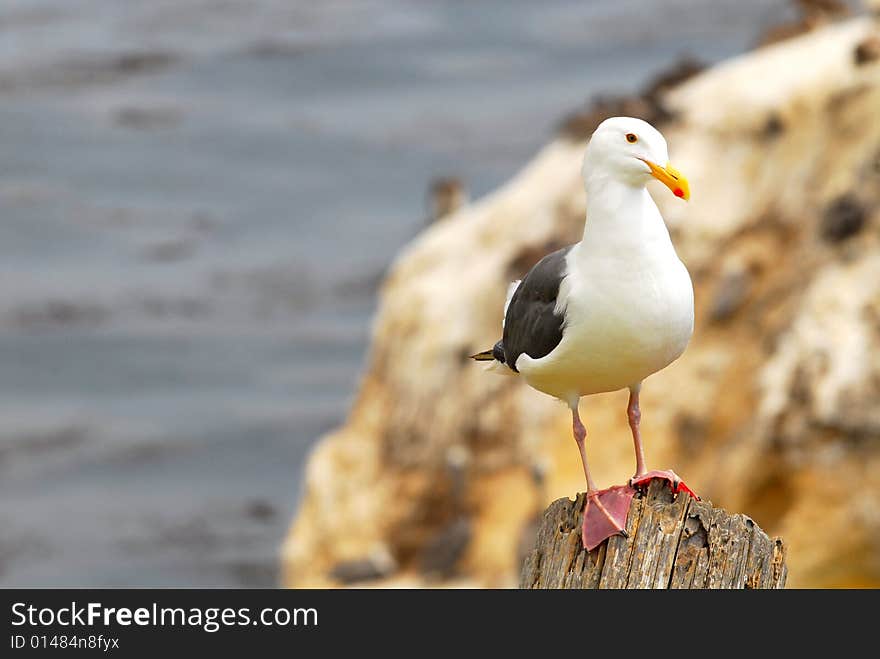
[{"x": 531, "y": 324}]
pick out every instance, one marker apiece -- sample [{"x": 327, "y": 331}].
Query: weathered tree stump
[{"x": 674, "y": 542}]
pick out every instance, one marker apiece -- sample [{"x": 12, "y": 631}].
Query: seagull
[{"x": 607, "y": 312}]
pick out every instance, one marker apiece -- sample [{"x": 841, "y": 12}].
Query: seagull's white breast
[{"x": 629, "y": 312}]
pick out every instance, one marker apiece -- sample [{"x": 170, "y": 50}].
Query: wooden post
[{"x": 674, "y": 542}]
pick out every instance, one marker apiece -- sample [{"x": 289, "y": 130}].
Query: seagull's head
[{"x": 632, "y": 151}]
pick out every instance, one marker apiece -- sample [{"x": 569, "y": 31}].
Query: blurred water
[{"x": 198, "y": 199}]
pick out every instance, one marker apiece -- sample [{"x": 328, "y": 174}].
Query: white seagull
[{"x": 607, "y": 312}]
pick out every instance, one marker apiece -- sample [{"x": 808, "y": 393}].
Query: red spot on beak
[{"x": 678, "y": 192}]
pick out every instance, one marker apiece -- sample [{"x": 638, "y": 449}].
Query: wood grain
[{"x": 674, "y": 542}]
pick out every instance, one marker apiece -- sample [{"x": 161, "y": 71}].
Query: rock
[
  {"x": 773, "y": 127},
  {"x": 360, "y": 570},
  {"x": 581, "y": 124},
  {"x": 843, "y": 219},
  {"x": 730, "y": 293},
  {"x": 773, "y": 412},
  {"x": 647, "y": 105},
  {"x": 684, "y": 69},
  {"x": 445, "y": 196},
  {"x": 824, "y": 8},
  {"x": 812, "y": 14},
  {"x": 443, "y": 552},
  {"x": 867, "y": 51}
]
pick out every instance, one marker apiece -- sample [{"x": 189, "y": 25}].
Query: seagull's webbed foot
[
  {"x": 605, "y": 514},
  {"x": 675, "y": 483}
]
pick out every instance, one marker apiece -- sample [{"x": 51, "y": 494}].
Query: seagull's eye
[{"x": 632, "y": 138}]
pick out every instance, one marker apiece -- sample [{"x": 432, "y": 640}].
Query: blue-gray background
[{"x": 197, "y": 201}]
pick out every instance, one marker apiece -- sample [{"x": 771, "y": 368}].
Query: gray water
[{"x": 198, "y": 200}]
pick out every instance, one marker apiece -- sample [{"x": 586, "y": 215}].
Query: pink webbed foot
[
  {"x": 675, "y": 483},
  {"x": 605, "y": 514}
]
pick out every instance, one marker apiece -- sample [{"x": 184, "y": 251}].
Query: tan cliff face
[{"x": 774, "y": 409}]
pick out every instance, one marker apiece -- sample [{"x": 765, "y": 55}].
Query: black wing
[{"x": 531, "y": 325}]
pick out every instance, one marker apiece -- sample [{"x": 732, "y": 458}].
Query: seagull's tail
[{"x": 494, "y": 359}]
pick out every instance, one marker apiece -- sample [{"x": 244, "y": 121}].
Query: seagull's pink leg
[
  {"x": 606, "y": 510},
  {"x": 634, "y": 414}
]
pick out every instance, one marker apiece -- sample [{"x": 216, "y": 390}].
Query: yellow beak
[{"x": 671, "y": 178}]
